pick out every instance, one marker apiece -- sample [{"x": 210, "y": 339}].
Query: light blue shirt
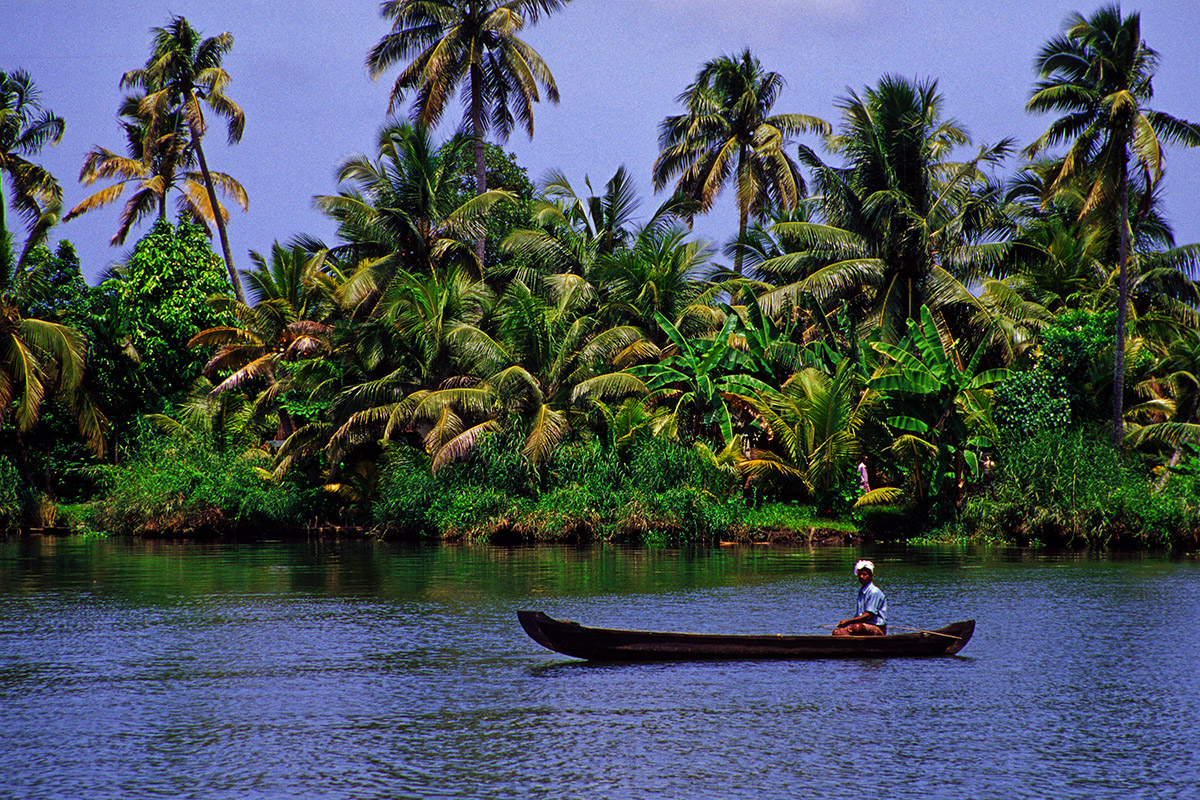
[{"x": 871, "y": 601}]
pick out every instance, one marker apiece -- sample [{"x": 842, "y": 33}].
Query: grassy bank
[{"x": 1061, "y": 489}]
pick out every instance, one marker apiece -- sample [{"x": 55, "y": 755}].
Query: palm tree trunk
[
  {"x": 743, "y": 215},
  {"x": 480, "y": 150},
  {"x": 1118, "y": 420},
  {"x": 216, "y": 209}
]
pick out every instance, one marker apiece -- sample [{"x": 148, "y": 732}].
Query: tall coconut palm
[
  {"x": 473, "y": 44},
  {"x": 25, "y": 128},
  {"x": 728, "y": 132},
  {"x": 903, "y": 225},
  {"x": 183, "y": 74},
  {"x": 157, "y": 163},
  {"x": 1098, "y": 76}
]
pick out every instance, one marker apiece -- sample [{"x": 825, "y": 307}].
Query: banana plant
[{"x": 939, "y": 403}]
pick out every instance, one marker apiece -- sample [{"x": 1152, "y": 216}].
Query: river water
[{"x": 133, "y": 669}]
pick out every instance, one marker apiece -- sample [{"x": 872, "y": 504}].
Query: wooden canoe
[{"x": 608, "y": 644}]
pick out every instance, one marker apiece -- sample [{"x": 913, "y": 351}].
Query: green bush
[
  {"x": 1073, "y": 487},
  {"x": 597, "y": 470},
  {"x": 1078, "y": 349},
  {"x": 660, "y": 465},
  {"x": 664, "y": 491},
  {"x": 12, "y": 499},
  {"x": 187, "y": 487},
  {"x": 406, "y": 490},
  {"x": 1030, "y": 402},
  {"x": 496, "y": 464},
  {"x": 475, "y": 515}
]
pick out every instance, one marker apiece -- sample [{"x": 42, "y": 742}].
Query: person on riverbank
[{"x": 870, "y": 606}]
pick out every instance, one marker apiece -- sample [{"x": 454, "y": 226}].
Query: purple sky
[{"x": 298, "y": 73}]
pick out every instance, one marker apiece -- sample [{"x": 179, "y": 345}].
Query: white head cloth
[{"x": 864, "y": 564}]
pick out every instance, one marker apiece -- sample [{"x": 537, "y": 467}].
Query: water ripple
[{"x": 375, "y": 672}]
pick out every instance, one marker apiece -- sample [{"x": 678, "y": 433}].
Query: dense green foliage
[
  {"x": 160, "y": 301},
  {"x": 1030, "y": 402},
  {"x": 1072, "y": 486},
  {"x": 191, "y": 487},
  {"x": 922, "y": 345},
  {"x": 657, "y": 491}
]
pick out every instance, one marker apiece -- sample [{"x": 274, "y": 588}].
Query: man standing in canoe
[{"x": 870, "y": 608}]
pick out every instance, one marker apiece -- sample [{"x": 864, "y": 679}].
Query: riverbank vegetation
[{"x": 911, "y": 334}]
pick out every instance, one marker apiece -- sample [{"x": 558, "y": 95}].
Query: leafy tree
[
  {"x": 1098, "y": 75},
  {"x": 728, "y": 131},
  {"x": 1029, "y": 402},
  {"x": 1074, "y": 349},
  {"x": 504, "y": 174},
  {"x": 183, "y": 75},
  {"x": 473, "y": 44},
  {"x": 59, "y": 288},
  {"x": 159, "y": 302}
]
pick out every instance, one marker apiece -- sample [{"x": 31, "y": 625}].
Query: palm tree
[
  {"x": 661, "y": 272},
  {"x": 573, "y": 232},
  {"x": 521, "y": 374},
  {"x": 473, "y": 44},
  {"x": 184, "y": 72},
  {"x": 38, "y": 357},
  {"x": 728, "y": 132},
  {"x": 1173, "y": 401},
  {"x": 285, "y": 325},
  {"x": 157, "y": 163},
  {"x": 1098, "y": 75},
  {"x": 25, "y": 128},
  {"x": 813, "y": 424},
  {"x": 401, "y": 213},
  {"x": 902, "y": 224}
]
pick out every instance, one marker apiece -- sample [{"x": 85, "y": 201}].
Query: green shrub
[
  {"x": 185, "y": 487},
  {"x": 1030, "y": 402},
  {"x": 495, "y": 464},
  {"x": 478, "y": 515},
  {"x": 1072, "y": 487},
  {"x": 658, "y": 465},
  {"x": 12, "y": 499},
  {"x": 586, "y": 464},
  {"x": 663, "y": 492},
  {"x": 406, "y": 490},
  {"x": 571, "y": 513}
]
